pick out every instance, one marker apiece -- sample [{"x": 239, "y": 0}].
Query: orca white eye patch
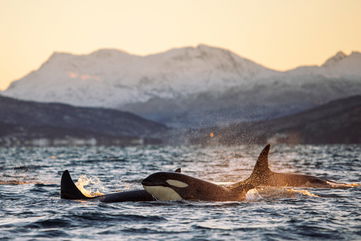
[{"x": 176, "y": 183}]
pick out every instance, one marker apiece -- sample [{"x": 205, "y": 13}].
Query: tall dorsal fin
[
  {"x": 261, "y": 166},
  {"x": 178, "y": 170},
  {"x": 68, "y": 189}
]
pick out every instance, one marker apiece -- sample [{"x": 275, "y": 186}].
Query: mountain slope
[
  {"x": 263, "y": 101},
  {"x": 335, "y": 122},
  {"x": 25, "y": 119}
]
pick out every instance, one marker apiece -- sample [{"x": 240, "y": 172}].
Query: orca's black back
[{"x": 128, "y": 196}]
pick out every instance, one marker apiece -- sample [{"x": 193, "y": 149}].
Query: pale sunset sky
[{"x": 279, "y": 34}]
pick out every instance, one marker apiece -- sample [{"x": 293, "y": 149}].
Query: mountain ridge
[
  {"x": 23, "y": 121},
  {"x": 335, "y": 122},
  {"x": 206, "y": 75}
]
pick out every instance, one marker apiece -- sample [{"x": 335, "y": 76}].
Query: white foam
[
  {"x": 253, "y": 195},
  {"x": 90, "y": 191}
]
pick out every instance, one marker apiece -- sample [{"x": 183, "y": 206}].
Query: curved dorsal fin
[
  {"x": 261, "y": 166},
  {"x": 68, "y": 189},
  {"x": 178, "y": 170}
]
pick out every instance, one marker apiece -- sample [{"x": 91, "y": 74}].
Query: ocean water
[{"x": 31, "y": 209}]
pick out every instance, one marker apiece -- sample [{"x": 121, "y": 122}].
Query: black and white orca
[
  {"x": 69, "y": 190},
  {"x": 263, "y": 176},
  {"x": 170, "y": 186}
]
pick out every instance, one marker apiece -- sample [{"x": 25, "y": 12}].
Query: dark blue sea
[{"x": 31, "y": 209}]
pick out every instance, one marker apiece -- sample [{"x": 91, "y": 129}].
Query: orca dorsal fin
[
  {"x": 179, "y": 170},
  {"x": 261, "y": 166},
  {"x": 68, "y": 189}
]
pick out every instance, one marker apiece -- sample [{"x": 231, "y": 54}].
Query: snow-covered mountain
[
  {"x": 111, "y": 78},
  {"x": 192, "y": 86},
  {"x": 340, "y": 66}
]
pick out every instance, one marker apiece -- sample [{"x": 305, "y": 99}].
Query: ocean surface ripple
[{"x": 32, "y": 210}]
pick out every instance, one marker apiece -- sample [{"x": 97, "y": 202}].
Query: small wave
[
  {"x": 212, "y": 205},
  {"x": 109, "y": 159},
  {"x": 259, "y": 193},
  {"x": 212, "y": 226},
  {"x": 50, "y": 223},
  {"x": 96, "y": 216},
  {"x": 149, "y": 230},
  {"x": 343, "y": 185},
  {"x": 141, "y": 230},
  {"x": 132, "y": 217},
  {"x": 317, "y": 231},
  {"x": 29, "y": 167},
  {"x": 19, "y": 182},
  {"x": 52, "y": 233},
  {"x": 303, "y": 192}
]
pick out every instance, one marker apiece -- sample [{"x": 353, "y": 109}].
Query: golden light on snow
[{"x": 73, "y": 75}]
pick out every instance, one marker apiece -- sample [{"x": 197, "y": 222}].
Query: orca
[
  {"x": 68, "y": 190},
  {"x": 263, "y": 176},
  {"x": 171, "y": 186}
]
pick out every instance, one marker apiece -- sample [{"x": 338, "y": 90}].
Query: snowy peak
[
  {"x": 335, "y": 59},
  {"x": 343, "y": 60},
  {"x": 343, "y": 66},
  {"x": 209, "y": 61},
  {"x": 62, "y": 59},
  {"x": 103, "y": 53},
  {"x": 340, "y": 66},
  {"x": 58, "y": 57}
]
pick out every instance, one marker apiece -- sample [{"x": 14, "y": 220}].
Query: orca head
[{"x": 165, "y": 186}]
